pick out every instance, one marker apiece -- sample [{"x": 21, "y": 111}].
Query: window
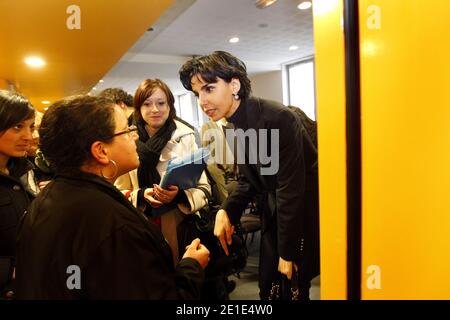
[
  {"x": 188, "y": 109},
  {"x": 301, "y": 90}
]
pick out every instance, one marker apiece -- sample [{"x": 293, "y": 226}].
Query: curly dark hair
[
  {"x": 14, "y": 108},
  {"x": 145, "y": 90},
  {"x": 219, "y": 64},
  {"x": 117, "y": 95},
  {"x": 71, "y": 126}
]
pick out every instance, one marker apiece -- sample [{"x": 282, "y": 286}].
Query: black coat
[
  {"x": 86, "y": 222},
  {"x": 14, "y": 199},
  {"x": 290, "y": 226}
]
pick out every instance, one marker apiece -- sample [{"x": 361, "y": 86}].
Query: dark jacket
[
  {"x": 290, "y": 219},
  {"x": 14, "y": 199},
  {"x": 86, "y": 222}
]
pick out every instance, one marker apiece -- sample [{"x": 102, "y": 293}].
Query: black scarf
[{"x": 149, "y": 150}]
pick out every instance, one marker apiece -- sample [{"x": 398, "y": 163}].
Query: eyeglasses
[{"x": 131, "y": 131}]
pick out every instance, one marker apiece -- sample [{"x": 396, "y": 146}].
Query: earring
[
  {"x": 236, "y": 96},
  {"x": 115, "y": 171}
]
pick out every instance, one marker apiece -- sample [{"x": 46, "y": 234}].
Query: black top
[
  {"x": 86, "y": 222},
  {"x": 239, "y": 117},
  {"x": 14, "y": 199},
  {"x": 292, "y": 183}
]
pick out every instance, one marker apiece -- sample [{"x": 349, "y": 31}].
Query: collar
[
  {"x": 239, "y": 117},
  {"x": 19, "y": 166},
  {"x": 181, "y": 130}
]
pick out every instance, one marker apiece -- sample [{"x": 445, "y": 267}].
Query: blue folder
[{"x": 184, "y": 173}]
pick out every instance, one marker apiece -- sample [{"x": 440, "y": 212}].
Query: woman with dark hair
[
  {"x": 16, "y": 129},
  {"x": 81, "y": 238},
  {"x": 161, "y": 138},
  {"x": 289, "y": 237}
]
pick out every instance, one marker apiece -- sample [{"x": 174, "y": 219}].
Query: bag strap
[
  {"x": 207, "y": 194},
  {"x": 295, "y": 291}
]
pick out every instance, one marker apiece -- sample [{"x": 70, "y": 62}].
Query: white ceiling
[{"x": 192, "y": 27}]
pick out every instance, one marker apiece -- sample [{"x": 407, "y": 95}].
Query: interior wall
[{"x": 268, "y": 86}]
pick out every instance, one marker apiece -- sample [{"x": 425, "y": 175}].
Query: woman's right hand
[
  {"x": 223, "y": 229},
  {"x": 148, "y": 196},
  {"x": 42, "y": 184},
  {"x": 198, "y": 252}
]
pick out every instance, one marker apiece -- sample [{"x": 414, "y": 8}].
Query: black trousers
[{"x": 268, "y": 268}]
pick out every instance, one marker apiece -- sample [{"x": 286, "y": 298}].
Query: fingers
[
  {"x": 285, "y": 267},
  {"x": 223, "y": 243},
  {"x": 195, "y": 243},
  {"x": 165, "y": 195},
  {"x": 149, "y": 196},
  {"x": 229, "y": 232},
  {"x": 197, "y": 251},
  {"x": 42, "y": 184},
  {"x": 223, "y": 230},
  {"x": 173, "y": 188}
]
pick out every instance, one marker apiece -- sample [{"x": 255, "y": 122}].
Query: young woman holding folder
[{"x": 161, "y": 138}]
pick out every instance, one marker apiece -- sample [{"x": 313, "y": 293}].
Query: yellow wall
[
  {"x": 330, "y": 91},
  {"x": 405, "y": 109},
  {"x": 405, "y": 79},
  {"x": 3, "y": 84}
]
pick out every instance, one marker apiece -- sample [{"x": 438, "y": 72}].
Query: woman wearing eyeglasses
[
  {"x": 161, "y": 138},
  {"x": 81, "y": 238}
]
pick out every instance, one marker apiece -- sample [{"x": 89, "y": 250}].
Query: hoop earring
[
  {"x": 115, "y": 171},
  {"x": 236, "y": 96}
]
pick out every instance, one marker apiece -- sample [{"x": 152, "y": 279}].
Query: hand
[
  {"x": 223, "y": 229},
  {"x": 285, "y": 267},
  {"x": 149, "y": 197},
  {"x": 42, "y": 184},
  {"x": 165, "y": 195},
  {"x": 198, "y": 252}
]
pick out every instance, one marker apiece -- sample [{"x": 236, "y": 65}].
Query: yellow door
[
  {"x": 405, "y": 108},
  {"x": 405, "y": 143}
]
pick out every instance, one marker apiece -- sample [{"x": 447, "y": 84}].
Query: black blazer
[
  {"x": 292, "y": 203},
  {"x": 14, "y": 200},
  {"x": 86, "y": 222}
]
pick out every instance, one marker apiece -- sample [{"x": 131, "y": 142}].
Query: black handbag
[
  {"x": 285, "y": 289},
  {"x": 201, "y": 225}
]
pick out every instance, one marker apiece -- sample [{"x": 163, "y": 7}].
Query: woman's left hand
[
  {"x": 165, "y": 195},
  {"x": 285, "y": 267}
]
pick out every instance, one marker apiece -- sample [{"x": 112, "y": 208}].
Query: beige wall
[{"x": 268, "y": 86}]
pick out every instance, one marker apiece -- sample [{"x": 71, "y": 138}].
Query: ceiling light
[
  {"x": 292, "y": 48},
  {"x": 46, "y": 108},
  {"x": 234, "y": 40},
  {"x": 261, "y": 4},
  {"x": 34, "y": 62},
  {"x": 101, "y": 81},
  {"x": 45, "y": 102},
  {"x": 305, "y": 5},
  {"x": 94, "y": 88}
]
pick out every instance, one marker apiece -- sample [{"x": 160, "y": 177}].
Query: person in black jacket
[
  {"x": 81, "y": 238},
  {"x": 16, "y": 129},
  {"x": 123, "y": 99},
  {"x": 290, "y": 235}
]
